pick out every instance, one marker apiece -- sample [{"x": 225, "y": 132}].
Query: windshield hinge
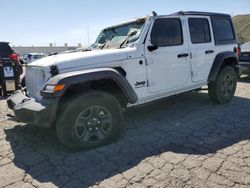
[{"x": 149, "y": 61}]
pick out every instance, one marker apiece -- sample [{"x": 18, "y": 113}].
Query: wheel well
[
  {"x": 111, "y": 87},
  {"x": 232, "y": 61},
  {"x": 107, "y": 85}
]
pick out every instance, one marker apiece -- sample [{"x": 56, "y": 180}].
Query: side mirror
[{"x": 152, "y": 48}]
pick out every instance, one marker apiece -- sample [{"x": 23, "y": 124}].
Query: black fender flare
[
  {"x": 84, "y": 76},
  {"x": 218, "y": 62}
]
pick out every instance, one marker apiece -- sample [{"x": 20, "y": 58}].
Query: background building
[{"x": 23, "y": 50}]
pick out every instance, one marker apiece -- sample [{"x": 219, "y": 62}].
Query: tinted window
[
  {"x": 199, "y": 30},
  {"x": 167, "y": 32},
  {"x": 223, "y": 30}
]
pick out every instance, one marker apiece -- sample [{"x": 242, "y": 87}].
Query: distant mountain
[{"x": 242, "y": 24}]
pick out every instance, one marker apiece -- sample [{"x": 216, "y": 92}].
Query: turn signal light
[{"x": 59, "y": 87}]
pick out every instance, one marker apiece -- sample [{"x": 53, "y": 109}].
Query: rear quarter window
[{"x": 223, "y": 30}]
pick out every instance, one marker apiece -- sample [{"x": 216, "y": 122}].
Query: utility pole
[{"x": 88, "y": 34}]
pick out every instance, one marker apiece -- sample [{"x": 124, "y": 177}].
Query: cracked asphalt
[{"x": 182, "y": 141}]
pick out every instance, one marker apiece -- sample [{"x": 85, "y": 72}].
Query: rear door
[{"x": 201, "y": 47}]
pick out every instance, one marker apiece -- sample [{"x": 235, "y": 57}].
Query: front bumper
[{"x": 28, "y": 110}]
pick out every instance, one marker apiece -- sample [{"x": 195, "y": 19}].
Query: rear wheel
[
  {"x": 223, "y": 88},
  {"x": 90, "y": 120}
]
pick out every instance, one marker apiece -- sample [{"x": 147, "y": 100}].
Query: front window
[
  {"x": 119, "y": 36},
  {"x": 167, "y": 32}
]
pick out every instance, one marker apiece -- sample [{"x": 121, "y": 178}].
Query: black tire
[
  {"x": 222, "y": 90},
  {"x": 23, "y": 84},
  {"x": 84, "y": 115}
]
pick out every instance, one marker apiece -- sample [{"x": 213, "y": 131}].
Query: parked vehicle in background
[
  {"x": 23, "y": 59},
  {"x": 84, "y": 93},
  {"x": 244, "y": 59},
  {"x": 33, "y": 57},
  {"x": 10, "y": 69}
]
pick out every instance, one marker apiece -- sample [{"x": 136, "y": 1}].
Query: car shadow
[{"x": 185, "y": 124}]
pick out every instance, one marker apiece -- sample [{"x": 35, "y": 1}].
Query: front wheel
[
  {"x": 90, "y": 120},
  {"x": 223, "y": 88}
]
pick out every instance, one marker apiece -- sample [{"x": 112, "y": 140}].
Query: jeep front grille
[{"x": 34, "y": 79}]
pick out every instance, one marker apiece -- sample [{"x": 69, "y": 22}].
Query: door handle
[
  {"x": 182, "y": 55},
  {"x": 209, "y": 51}
]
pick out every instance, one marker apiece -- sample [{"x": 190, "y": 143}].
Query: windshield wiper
[
  {"x": 107, "y": 42},
  {"x": 129, "y": 36}
]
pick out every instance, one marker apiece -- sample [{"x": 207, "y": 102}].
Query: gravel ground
[{"x": 183, "y": 141}]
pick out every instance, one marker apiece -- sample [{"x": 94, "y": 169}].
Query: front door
[{"x": 168, "y": 66}]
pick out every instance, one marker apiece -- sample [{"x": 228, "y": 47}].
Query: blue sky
[{"x": 40, "y": 22}]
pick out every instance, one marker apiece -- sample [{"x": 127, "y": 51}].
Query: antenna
[{"x": 154, "y": 13}]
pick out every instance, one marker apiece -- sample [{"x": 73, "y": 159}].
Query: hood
[{"x": 82, "y": 59}]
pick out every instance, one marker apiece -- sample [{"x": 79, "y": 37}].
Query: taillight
[
  {"x": 237, "y": 51},
  {"x": 14, "y": 57}
]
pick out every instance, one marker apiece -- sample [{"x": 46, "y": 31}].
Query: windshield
[{"x": 113, "y": 37}]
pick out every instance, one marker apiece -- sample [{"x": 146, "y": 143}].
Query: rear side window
[
  {"x": 223, "y": 30},
  {"x": 167, "y": 32},
  {"x": 199, "y": 30}
]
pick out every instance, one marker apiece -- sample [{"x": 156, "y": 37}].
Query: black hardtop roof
[{"x": 200, "y": 13}]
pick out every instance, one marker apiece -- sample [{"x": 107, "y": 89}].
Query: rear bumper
[
  {"x": 28, "y": 110},
  {"x": 245, "y": 67}
]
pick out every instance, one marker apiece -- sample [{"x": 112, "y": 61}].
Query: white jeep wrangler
[{"x": 84, "y": 93}]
